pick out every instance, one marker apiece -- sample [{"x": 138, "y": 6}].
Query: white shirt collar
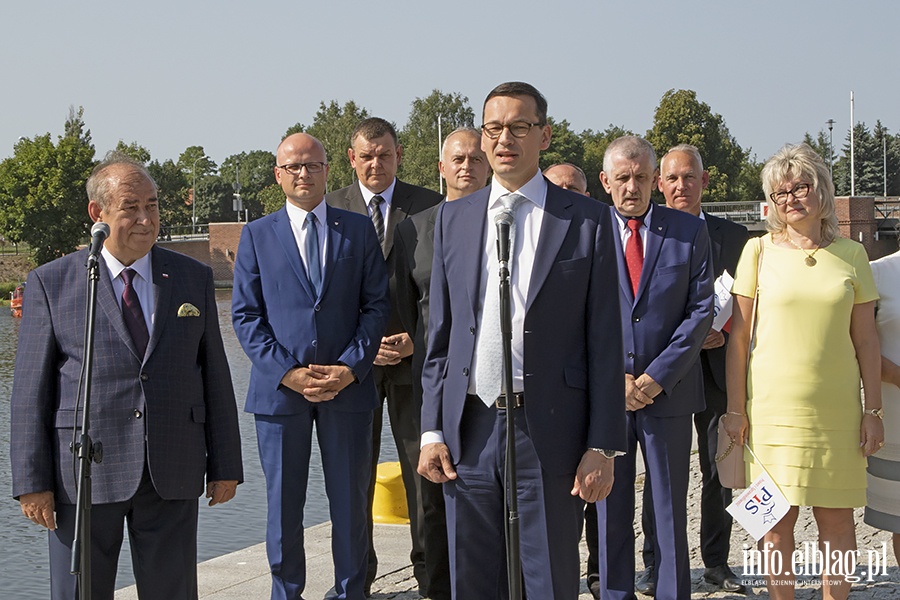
[
  {"x": 647, "y": 216},
  {"x": 534, "y": 190},
  {"x": 142, "y": 266},
  {"x": 298, "y": 215},
  {"x": 387, "y": 194}
]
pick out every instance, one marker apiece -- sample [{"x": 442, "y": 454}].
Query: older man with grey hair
[
  {"x": 682, "y": 180},
  {"x": 666, "y": 302}
]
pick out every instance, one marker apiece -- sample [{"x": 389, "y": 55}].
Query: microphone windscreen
[{"x": 100, "y": 227}]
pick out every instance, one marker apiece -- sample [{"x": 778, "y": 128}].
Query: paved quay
[{"x": 244, "y": 575}]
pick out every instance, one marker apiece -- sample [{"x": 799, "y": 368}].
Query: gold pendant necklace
[{"x": 810, "y": 259}]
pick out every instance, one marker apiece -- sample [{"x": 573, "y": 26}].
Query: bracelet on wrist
[
  {"x": 737, "y": 414},
  {"x": 875, "y": 412}
]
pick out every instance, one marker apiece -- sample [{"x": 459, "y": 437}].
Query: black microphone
[
  {"x": 99, "y": 233},
  {"x": 504, "y": 221}
]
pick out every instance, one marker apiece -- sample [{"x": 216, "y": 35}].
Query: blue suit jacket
[
  {"x": 574, "y": 387},
  {"x": 664, "y": 327},
  {"x": 281, "y": 322},
  {"x": 179, "y": 394}
]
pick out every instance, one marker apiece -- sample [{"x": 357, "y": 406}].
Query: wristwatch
[
  {"x": 875, "y": 412},
  {"x": 606, "y": 453}
]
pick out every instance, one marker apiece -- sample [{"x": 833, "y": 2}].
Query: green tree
[
  {"x": 332, "y": 126},
  {"x": 421, "y": 145},
  {"x": 196, "y": 167},
  {"x": 215, "y": 200},
  {"x": 749, "y": 184},
  {"x": 135, "y": 151},
  {"x": 255, "y": 171},
  {"x": 868, "y": 161},
  {"x": 595, "y": 144},
  {"x": 682, "y": 119},
  {"x": 174, "y": 193},
  {"x": 42, "y": 197},
  {"x": 565, "y": 145},
  {"x": 271, "y": 198},
  {"x": 821, "y": 144}
]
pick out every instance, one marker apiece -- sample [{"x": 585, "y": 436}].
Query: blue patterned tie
[{"x": 314, "y": 268}]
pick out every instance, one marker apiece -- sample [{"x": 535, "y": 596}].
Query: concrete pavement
[{"x": 244, "y": 575}]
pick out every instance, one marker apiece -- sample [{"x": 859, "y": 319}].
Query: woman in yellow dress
[{"x": 798, "y": 402}]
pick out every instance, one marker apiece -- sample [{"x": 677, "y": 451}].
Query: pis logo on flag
[{"x": 759, "y": 508}]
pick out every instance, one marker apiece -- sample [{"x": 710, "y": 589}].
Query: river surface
[{"x": 24, "y": 568}]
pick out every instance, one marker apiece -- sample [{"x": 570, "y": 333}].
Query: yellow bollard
[{"x": 390, "y": 496}]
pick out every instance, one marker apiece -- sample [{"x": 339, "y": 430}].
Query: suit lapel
[
  {"x": 335, "y": 226},
  {"x": 472, "y": 251},
  {"x": 656, "y": 232},
  {"x": 108, "y": 303},
  {"x": 162, "y": 294},
  {"x": 555, "y": 224},
  {"x": 282, "y": 228},
  {"x": 400, "y": 207},
  {"x": 624, "y": 278},
  {"x": 352, "y": 199},
  {"x": 715, "y": 237}
]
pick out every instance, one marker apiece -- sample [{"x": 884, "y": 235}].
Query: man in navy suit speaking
[
  {"x": 162, "y": 404},
  {"x": 310, "y": 305},
  {"x": 567, "y": 361}
]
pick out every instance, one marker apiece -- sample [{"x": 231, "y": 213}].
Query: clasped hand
[
  {"x": 318, "y": 383},
  {"x": 640, "y": 392},
  {"x": 393, "y": 349}
]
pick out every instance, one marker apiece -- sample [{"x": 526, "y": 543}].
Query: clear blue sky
[{"x": 232, "y": 76}]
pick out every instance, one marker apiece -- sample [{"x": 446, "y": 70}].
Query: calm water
[{"x": 224, "y": 528}]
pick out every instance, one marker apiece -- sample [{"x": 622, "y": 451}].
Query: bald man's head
[
  {"x": 302, "y": 170},
  {"x": 463, "y": 163},
  {"x": 568, "y": 177}
]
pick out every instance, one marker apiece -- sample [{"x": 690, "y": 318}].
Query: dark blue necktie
[{"x": 314, "y": 268}]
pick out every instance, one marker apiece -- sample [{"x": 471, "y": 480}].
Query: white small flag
[
  {"x": 759, "y": 508},
  {"x": 722, "y": 305}
]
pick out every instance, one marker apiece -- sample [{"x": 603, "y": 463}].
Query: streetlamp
[
  {"x": 830, "y": 123},
  {"x": 884, "y": 145},
  {"x": 194, "y": 194}
]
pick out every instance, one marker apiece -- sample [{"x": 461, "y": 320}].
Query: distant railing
[
  {"x": 167, "y": 233},
  {"x": 739, "y": 212},
  {"x": 887, "y": 211},
  {"x": 887, "y": 208}
]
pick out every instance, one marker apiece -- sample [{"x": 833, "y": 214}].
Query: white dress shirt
[
  {"x": 625, "y": 232},
  {"x": 385, "y": 207},
  {"x": 142, "y": 284},
  {"x": 297, "y": 216},
  {"x": 527, "y": 225}
]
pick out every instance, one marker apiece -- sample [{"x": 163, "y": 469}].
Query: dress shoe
[
  {"x": 645, "y": 583},
  {"x": 724, "y": 578},
  {"x": 594, "y": 587}
]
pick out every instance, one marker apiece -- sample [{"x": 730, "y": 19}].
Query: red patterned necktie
[
  {"x": 634, "y": 253},
  {"x": 133, "y": 315}
]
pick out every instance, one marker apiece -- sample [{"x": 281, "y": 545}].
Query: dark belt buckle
[{"x": 518, "y": 401}]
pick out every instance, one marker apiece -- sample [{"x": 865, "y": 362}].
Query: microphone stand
[
  {"x": 84, "y": 449},
  {"x": 513, "y": 557}
]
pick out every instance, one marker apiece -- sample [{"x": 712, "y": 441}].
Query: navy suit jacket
[
  {"x": 664, "y": 327},
  {"x": 574, "y": 387},
  {"x": 179, "y": 394},
  {"x": 281, "y": 322},
  {"x": 727, "y": 241}
]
